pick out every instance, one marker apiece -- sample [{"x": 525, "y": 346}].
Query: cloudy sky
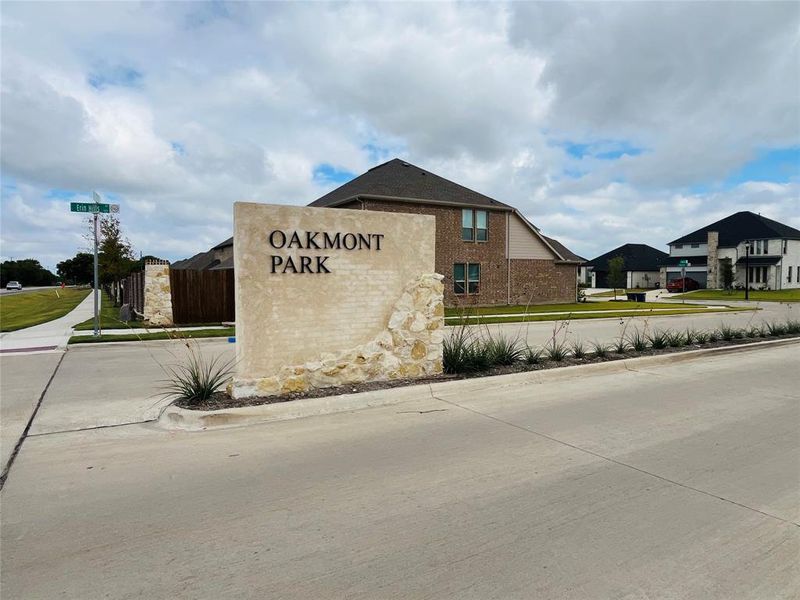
[{"x": 604, "y": 123}]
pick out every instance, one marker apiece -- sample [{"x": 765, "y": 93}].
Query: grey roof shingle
[
  {"x": 565, "y": 252},
  {"x": 741, "y": 226},
  {"x": 399, "y": 179},
  {"x": 637, "y": 257}
]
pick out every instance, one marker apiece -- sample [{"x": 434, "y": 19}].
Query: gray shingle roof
[
  {"x": 398, "y": 179},
  {"x": 638, "y": 257},
  {"x": 565, "y": 252},
  {"x": 741, "y": 226}
]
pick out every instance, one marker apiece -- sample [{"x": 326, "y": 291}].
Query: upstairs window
[
  {"x": 474, "y": 225},
  {"x": 481, "y": 225},
  {"x": 695, "y": 245},
  {"x": 766, "y": 247},
  {"x": 467, "y": 226},
  {"x": 678, "y": 246}
]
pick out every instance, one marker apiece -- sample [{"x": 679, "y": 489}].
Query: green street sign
[
  {"x": 684, "y": 263},
  {"x": 89, "y": 207}
]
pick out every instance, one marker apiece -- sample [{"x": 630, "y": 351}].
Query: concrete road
[
  {"x": 678, "y": 481},
  {"x": 22, "y": 381},
  {"x": 607, "y": 330}
]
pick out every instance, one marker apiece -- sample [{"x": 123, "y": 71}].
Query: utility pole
[{"x": 96, "y": 270}]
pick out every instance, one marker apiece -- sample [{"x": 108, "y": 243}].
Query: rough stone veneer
[
  {"x": 410, "y": 346},
  {"x": 157, "y": 294}
]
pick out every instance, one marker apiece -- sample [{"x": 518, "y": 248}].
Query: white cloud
[{"x": 242, "y": 101}]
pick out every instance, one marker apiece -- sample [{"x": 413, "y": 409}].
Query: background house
[
  {"x": 774, "y": 255},
  {"x": 489, "y": 253},
  {"x": 641, "y": 267}
]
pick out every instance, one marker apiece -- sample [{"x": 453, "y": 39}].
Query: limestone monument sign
[{"x": 328, "y": 296}]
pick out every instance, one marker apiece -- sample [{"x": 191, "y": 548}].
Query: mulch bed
[{"x": 221, "y": 400}]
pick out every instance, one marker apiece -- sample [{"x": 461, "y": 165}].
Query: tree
[
  {"x": 616, "y": 274},
  {"x": 77, "y": 270},
  {"x": 28, "y": 271},
  {"x": 726, "y": 270},
  {"x": 116, "y": 255}
]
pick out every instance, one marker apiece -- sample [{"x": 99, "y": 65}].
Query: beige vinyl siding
[{"x": 524, "y": 243}]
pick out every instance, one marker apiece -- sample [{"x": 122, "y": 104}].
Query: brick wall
[
  {"x": 535, "y": 281},
  {"x": 542, "y": 282}
]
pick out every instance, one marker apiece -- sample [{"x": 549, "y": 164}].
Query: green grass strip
[
  {"x": 27, "y": 309},
  {"x": 792, "y": 295},
  {"x": 160, "y": 335}
]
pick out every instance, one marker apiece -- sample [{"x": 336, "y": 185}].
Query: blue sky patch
[
  {"x": 325, "y": 173},
  {"x": 777, "y": 165},
  {"x": 105, "y": 76},
  {"x": 59, "y": 194},
  {"x": 179, "y": 148},
  {"x": 601, "y": 149}
]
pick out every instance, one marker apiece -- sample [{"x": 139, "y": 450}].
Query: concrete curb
[{"x": 175, "y": 418}]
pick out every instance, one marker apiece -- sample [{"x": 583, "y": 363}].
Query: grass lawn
[
  {"x": 161, "y": 335},
  {"x": 33, "y": 308},
  {"x": 582, "y": 310},
  {"x": 538, "y": 308},
  {"x": 755, "y": 295},
  {"x": 620, "y": 292},
  {"x": 109, "y": 316}
]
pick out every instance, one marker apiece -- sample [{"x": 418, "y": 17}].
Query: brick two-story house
[{"x": 488, "y": 252}]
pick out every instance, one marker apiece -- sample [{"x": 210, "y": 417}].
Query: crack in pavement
[
  {"x": 24, "y": 435},
  {"x": 611, "y": 460}
]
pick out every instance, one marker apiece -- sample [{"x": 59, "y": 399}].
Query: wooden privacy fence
[
  {"x": 133, "y": 291},
  {"x": 202, "y": 296}
]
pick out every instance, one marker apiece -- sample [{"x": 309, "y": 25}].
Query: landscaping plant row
[{"x": 466, "y": 352}]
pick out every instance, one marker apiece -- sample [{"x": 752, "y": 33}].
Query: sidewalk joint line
[
  {"x": 613, "y": 461},
  {"x": 25, "y": 431},
  {"x": 92, "y": 428}
]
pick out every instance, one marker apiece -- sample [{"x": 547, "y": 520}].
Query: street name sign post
[
  {"x": 683, "y": 264},
  {"x": 95, "y": 208}
]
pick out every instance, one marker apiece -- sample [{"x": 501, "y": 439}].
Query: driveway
[{"x": 672, "y": 481}]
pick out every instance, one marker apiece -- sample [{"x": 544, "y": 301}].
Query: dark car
[{"x": 682, "y": 284}]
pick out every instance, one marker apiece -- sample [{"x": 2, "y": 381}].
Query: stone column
[
  {"x": 713, "y": 260},
  {"x": 157, "y": 293}
]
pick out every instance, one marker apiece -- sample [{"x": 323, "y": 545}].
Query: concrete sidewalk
[{"x": 52, "y": 335}]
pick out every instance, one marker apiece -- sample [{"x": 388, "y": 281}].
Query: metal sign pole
[{"x": 96, "y": 271}]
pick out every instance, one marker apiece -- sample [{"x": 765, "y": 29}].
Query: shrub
[
  {"x": 776, "y": 328},
  {"x": 620, "y": 346},
  {"x": 676, "y": 339},
  {"x": 713, "y": 336},
  {"x": 639, "y": 341},
  {"x": 726, "y": 332},
  {"x": 533, "y": 356},
  {"x": 659, "y": 340},
  {"x": 753, "y": 332},
  {"x": 578, "y": 350},
  {"x": 464, "y": 353},
  {"x": 198, "y": 379},
  {"x": 599, "y": 350},
  {"x": 701, "y": 337},
  {"x": 503, "y": 350},
  {"x": 691, "y": 336},
  {"x": 557, "y": 351},
  {"x": 792, "y": 326}
]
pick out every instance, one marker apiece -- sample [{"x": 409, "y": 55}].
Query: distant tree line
[{"x": 29, "y": 272}]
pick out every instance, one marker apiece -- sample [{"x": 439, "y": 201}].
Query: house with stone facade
[
  {"x": 764, "y": 249},
  {"x": 489, "y": 253}
]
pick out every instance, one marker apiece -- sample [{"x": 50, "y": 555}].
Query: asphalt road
[
  {"x": 4, "y": 291},
  {"x": 677, "y": 481}
]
